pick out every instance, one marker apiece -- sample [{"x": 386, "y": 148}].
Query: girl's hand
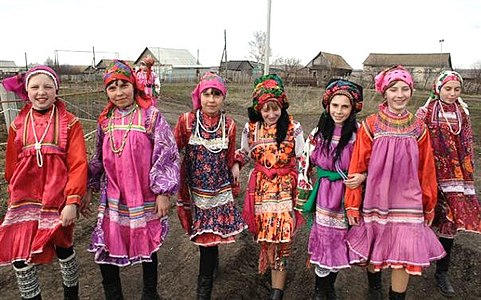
[
  {"x": 162, "y": 205},
  {"x": 355, "y": 180},
  {"x": 428, "y": 222},
  {"x": 353, "y": 221},
  {"x": 68, "y": 215},
  {"x": 235, "y": 172},
  {"x": 85, "y": 207}
]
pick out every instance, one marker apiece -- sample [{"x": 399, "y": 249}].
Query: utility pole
[{"x": 268, "y": 39}]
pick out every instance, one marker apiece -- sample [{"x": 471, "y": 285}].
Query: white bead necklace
[
  {"x": 215, "y": 145},
  {"x": 458, "y": 117},
  {"x": 38, "y": 143}
]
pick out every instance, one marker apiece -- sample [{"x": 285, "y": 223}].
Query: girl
[
  {"x": 328, "y": 148},
  {"x": 148, "y": 79},
  {"x": 136, "y": 168},
  {"x": 391, "y": 224},
  {"x": 274, "y": 141},
  {"x": 205, "y": 205},
  {"x": 447, "y": 118},
  {"x": 46, "y": 169}
]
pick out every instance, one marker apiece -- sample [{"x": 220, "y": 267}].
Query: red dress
[{"x": 31, "y": 228}]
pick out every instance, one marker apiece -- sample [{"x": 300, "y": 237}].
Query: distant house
[
  {"x": 423, "y": 66},
  {"x": 325, "y": 65},
  {"x": 241, "y": 71},
  {"x": 8, "y": 68},
  {"x": 173, "y": 64}
]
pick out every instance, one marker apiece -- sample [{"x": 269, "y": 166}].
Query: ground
[{"x": 238, "y": 277}]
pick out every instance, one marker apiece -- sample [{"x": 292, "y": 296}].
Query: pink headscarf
[
  {"x": 19, "y": 83},
  {"x": 209, "y": 80},
  {"x": 395, "y": 73}
]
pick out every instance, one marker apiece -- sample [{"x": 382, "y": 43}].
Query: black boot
[
  {"x": 70, "y": 292},
  {"x": 396, "y": 296},
  {"x": 149, "y": 273},
  {"x": 325, "y": 287},
  {"x": 442, "y": 267},
  {"x": 375, "y": 285},
  {"x": 111, "y": 282},
  {"x": 204, "y": 287},
  {"x": 276, "y": 294}
]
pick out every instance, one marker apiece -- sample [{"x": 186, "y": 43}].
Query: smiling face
[
  {"x": 270, "y": 112},
  {"x": 120, "y": 93},
  {"x": 397, "y": 96},
  {"x": 450, "y": 91},
  {"x": 211, "y": 101},
  {"x": 340, "y": 109},
  {"x": 41, "y": 91}
]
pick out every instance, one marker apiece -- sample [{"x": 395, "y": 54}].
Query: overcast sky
[{"x": 299, "y": 28}]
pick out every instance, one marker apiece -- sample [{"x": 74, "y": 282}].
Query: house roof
[
  {"x": 236, "y": 65},
  {"x": 7, "y": 64},
  {"x": 170, "y": 56},
  {"x": 409, "y": 59},
  {"x": 103, "y": 63},
  {"x": 336, "y": 61}
]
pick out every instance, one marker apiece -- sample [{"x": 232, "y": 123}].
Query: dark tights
[
  {"x": 442, "y": 265},
  {"x": 208, "y": 260}
]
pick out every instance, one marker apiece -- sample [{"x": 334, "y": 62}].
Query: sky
[{"x": 298, "y": 29}]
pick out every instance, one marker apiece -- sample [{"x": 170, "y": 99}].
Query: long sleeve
[
  {"x": 299, "y": 139},
  {"x": 11, "y": 154},
  {"x": 232, "y": 144},
  {"x": 180, "y": 131},
  {"x": 427, "y": 175},
  {"x": 96, "y": 167},
  {"x": 304, "y": 182},
  {"x": 359, "y": 164},
  {"x": 242, "y": 154},
  {"x": 76, "y": 164},
  {"x": 164, "y": 175}
]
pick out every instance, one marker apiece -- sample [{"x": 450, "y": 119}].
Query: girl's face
[
  {"x": 397, "y": 96},
  {"x": 143, "y": 67},
  {"x": 450, "y": 91},
  {"x": 270, "y": 112},
  {"x": 120, "y": 93},
  {"x": 340, "y": 109},
  {"x": 211, "y": 101},
  {"x": 41, "y": 91}
]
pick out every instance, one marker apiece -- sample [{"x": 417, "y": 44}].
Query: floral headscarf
[
  {"x": 19, "y": 83},
  {"x": 269, "y": 88},
  {"x": 120, "y": 70},
  {"x": 208, "y": 80},
  {"x": 343, "y": 87},
  {"x": 395, "y": 73}
]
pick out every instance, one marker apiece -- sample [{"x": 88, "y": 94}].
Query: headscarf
[
  {"x": 148, "y": 61},
  {"x": 395, "y": 73},
  {"x": 19, "y": 83},
  {"x": 208, "y": 80},
  {"x": 269, "y": 88},
  {"x": 120, "y": 70},
  {"x": 441, "y": 80},
  {"x": 347, "y": 88}
]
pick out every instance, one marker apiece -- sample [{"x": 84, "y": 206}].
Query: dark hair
[
  {"x": 137, "y": 91},
  {"x": 325, "y": 128},
  {"x": 281, "y": 125}
]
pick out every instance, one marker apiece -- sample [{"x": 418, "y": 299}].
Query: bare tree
[
  {"x": 290, "y": 65},
  {"x": 257, "y": 47}
]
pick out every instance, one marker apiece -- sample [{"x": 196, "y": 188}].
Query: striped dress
[{"x": 400, "y": 193}]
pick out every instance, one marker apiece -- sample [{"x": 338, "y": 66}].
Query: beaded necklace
[
  {"x": 458, "y": 117},
  {"x": 38, "y": 143},
  {"x": 119, "y": 150},
  {"x": 214, "y": 146}
]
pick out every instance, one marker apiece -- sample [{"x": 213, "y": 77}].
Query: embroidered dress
[
  {"x": 396, "y": 153},
  {"x": 452, "y": 139},
  {"x": 206, "y": 191},
  {"x": 136, "y": 159},
  {"x": 271, "y": 190},
  {"x": 327, "y": 247},
  {"x": 32, "y": 228}
]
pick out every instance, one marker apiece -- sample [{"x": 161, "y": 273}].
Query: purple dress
[
  {"x": 128, "y": 230},
  {"x": 327, "y": 247}
]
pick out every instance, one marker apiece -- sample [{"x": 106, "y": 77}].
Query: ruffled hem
[
  {"x": 328, "y": 248},
  {"x": 207, "y": 239},
  {"x": 400, "y": 245},
  {"x": 223, "y": 221},
  {"x": 139, "y": 246}
]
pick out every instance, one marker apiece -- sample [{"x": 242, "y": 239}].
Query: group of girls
[{"x": 370, "y": 190}]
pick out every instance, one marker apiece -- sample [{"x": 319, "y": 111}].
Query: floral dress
[{"x": 268, "y": 208}]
